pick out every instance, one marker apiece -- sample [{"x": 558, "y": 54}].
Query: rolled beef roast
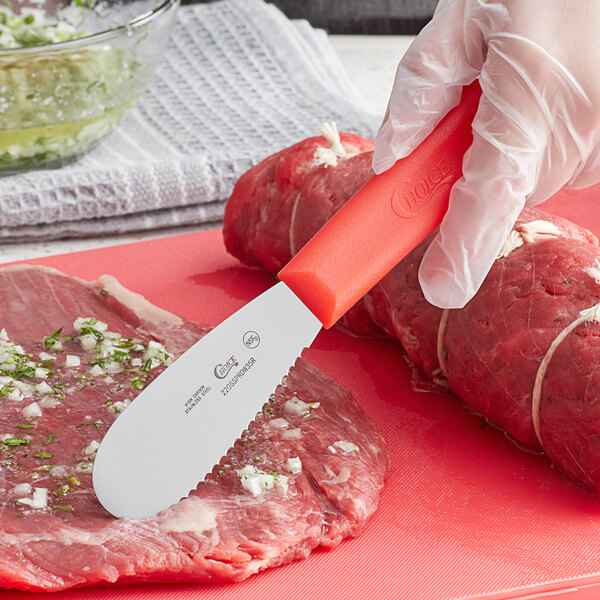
[{"x": 524, "y": 352}]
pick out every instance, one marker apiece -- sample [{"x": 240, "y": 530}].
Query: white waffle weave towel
[{"x": 238, "y": 82}]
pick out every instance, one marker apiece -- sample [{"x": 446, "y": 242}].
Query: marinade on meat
[{"x": 73, "y": 354}]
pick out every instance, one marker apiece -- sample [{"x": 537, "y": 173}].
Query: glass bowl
[{"x": 59, "y": 99}]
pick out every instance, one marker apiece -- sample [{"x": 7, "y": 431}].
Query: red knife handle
[{"x": 390, "y": 215}]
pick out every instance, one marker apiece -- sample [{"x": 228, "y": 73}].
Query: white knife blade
[
  {"x": 216, "y": 389},
  {"x": 178, "y": 428}
]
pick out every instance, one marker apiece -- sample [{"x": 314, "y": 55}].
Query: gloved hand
[{"x": 537, "y": 128}]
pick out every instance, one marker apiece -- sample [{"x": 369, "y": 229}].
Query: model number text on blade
[
  {"x": 233, "y": 381},
  {"x": 196, "y": 397}
]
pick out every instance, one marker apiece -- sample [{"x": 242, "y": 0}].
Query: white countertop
[{"x": 371, "y": 64}]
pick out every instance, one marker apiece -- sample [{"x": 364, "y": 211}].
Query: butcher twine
[
  {"x": 326, "y": 157},
  {"x": 529, "y": 233}
]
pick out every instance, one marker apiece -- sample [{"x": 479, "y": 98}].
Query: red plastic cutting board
[{"x": 465, "y": 513}]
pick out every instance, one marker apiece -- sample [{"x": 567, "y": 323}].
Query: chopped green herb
[
  {"x": 90, "y": 331},
  {"x": 5, "y": 389},
  {"x": 549, "y": 399},
  {"x": 558, "y": 319},
  {"x": 44, "y": 455},
  {"x": 63, "y": 506},
  {"x": 14, "y": 442},
  {"x": 50, "y": 438},
  {"x": 27, "y": 426},
  {"x": 104, "y": 292},
  {"x": 52, "y": 339},
  {"x": 137, "y": 384},
  {"x": 220, "y": 472}
]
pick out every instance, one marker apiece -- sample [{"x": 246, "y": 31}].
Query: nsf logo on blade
[{"x": 251, "y": 339}]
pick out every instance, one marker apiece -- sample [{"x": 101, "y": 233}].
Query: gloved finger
[
  {"x": 514, "y": 159},
  {"x": 499, "y": 171},
  {"x": 483, "y": 209},
  {"x": 446, "y": 55}
]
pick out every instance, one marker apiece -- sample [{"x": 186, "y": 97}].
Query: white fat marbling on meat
[
  {"x": 138, "y": 303},
  {"x": 279, "y": 423},
  {"x": 190, "y": 514},
  {"x": 594, "y": 271},
  {"x": 346, "y": 447},
  {"x": 342, "y": 477},
  {"x": 292, "y": 434}
]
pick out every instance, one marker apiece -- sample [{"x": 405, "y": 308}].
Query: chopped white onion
[
  {"x": 91, "y": 449},
  {"x": 32, "y": 411},
  {"x": 96, "y": 370},
  {"x": 40, "y": 498},
  {"x": 294, "y": 465},
  {"x": 43, "y": 388},
  {"x": 22, "y": 489},
  {"x": 296, "y": 408},
  {"x": 72, "y": 360},
  {"x": 87, "y": 341}
]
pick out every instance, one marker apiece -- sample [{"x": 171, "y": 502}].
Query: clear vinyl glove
[{"x": 537, "y": 128}]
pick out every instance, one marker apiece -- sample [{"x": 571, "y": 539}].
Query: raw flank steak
[
  {"x": 524, "y": 352},
  {"x": 73, "y": 355}
]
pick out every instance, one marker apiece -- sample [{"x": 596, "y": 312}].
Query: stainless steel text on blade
[{"x": 177, "y": 429}]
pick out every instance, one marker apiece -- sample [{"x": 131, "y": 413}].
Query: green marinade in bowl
[{"x": 68, "y": 76}]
